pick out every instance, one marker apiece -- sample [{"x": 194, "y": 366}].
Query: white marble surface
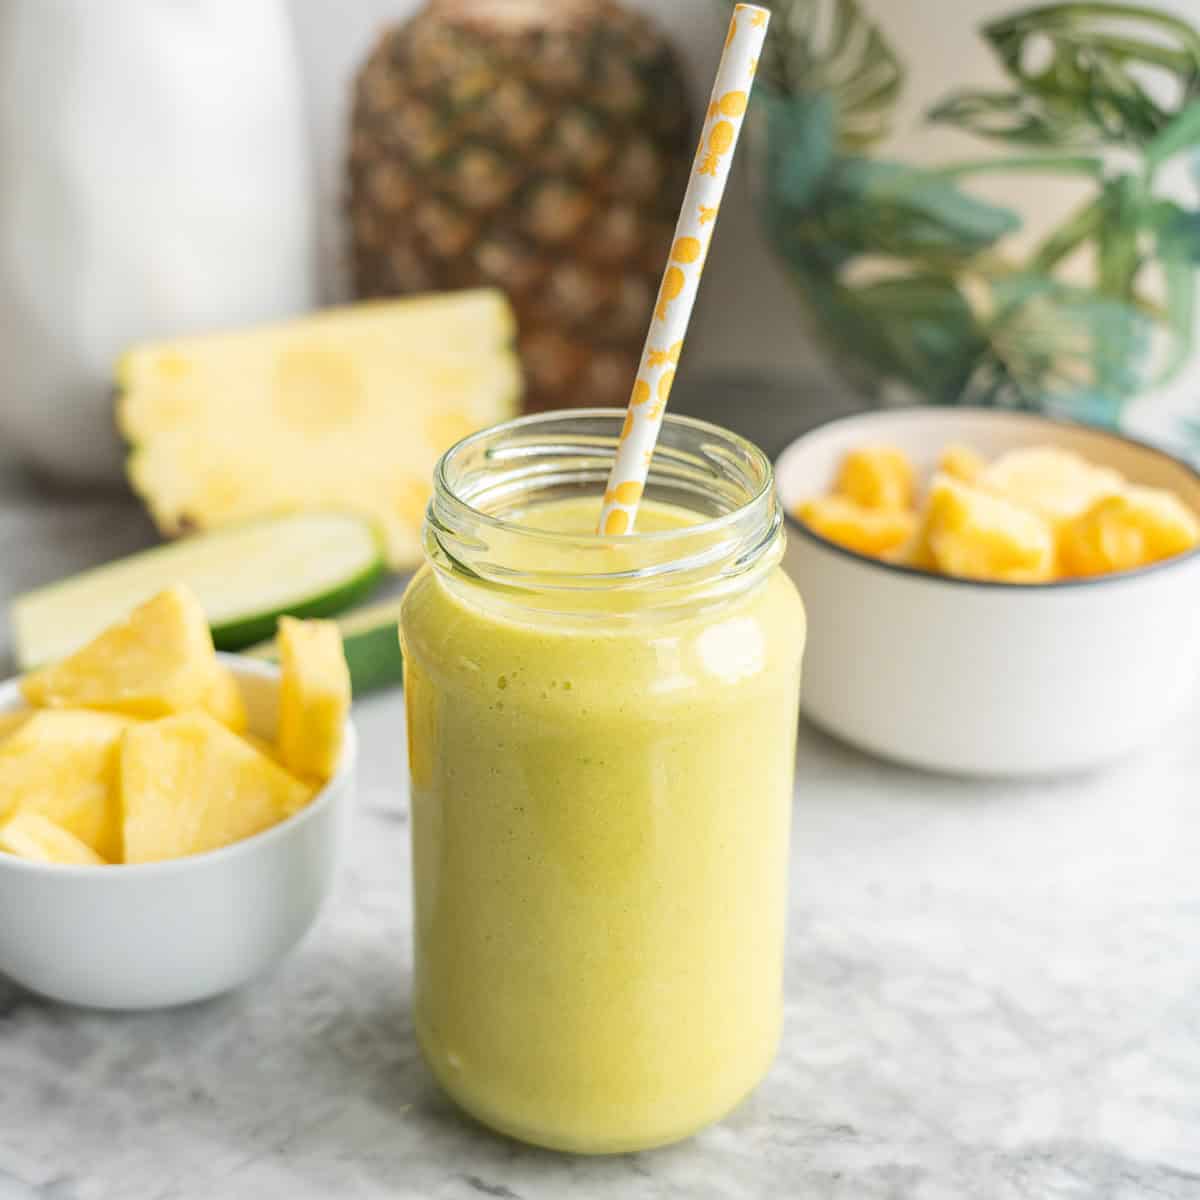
[{"x": 993, "y": 994}]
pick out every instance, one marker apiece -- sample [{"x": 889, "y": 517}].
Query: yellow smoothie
[{"x": 600, "y": 816}]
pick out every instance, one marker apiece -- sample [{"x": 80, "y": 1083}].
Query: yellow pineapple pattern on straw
[{"x": 677, "y": 292}]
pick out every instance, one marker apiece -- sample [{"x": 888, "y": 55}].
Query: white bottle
[{"x": 154, "y": 180}]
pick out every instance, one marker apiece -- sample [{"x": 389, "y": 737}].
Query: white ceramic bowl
[
  {"x": 986, "y": 678},
  {"x": 159, "y": 934}
]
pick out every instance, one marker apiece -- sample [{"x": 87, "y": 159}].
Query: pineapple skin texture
[
  {"x": 188, "y": 785},
  {"x": 973, "y": 534},
  {"x": 534, "y": 149},
  {"x": 347, "y": 410},
  {"x": 64, "y": 766},
  {"x": 34, "y": 836},
  {"x": 877, "y": 477},
  {"x": 314, "y": 697},
  {"x": 876, "y": 532},
  {"x": 1138, "y": 527}
]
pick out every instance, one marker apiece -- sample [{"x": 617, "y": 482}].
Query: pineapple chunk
[
  {"x": 188, "y": 785},
  {"x": 158, "y": 660},
  {"x": 34, "y": 836},
  {"x": 876, "y": 532},
  {"x": 314, "y": 696},
  {"x": 346, "y": 409},
  {"x": 877, "y": 477},
  {"x": 1057, "y": 484},
  {"x": 976, "y": 535},
  {"x": 64, "y": 766},
  {"x": 961, "y": 463},
  {"x": 224, "y": 700},
  {"x": 1133, "y": 529},
  {"x": 10, "y": 722}
]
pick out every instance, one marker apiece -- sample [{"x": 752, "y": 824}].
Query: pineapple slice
[
  {"x": 10, "y": 722},
  {"x": 1141, "y": 525},
  {"x": 876, "y": 532},
  {"x": 158, "y": 660},
  {"x": 1057, "y": 484},
  {"x": 976, "y": 535},
  {"x": 314, "y": 696},
  {"x": 34, "y": 836},
  {"x": 346, "y": 409},
  {"x": 224, "y": 700},
  {"x": 188, "y": 785},
  {"x": 877, "y": 477},
  {"x": 64, "y": 766},
  {"x": 961, "y": 463}
]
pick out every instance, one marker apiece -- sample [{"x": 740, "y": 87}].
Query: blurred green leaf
[
  {"x": 1177, "y": 244},
  {"x": 833, "y": 48},
  {"x": 868, "y": 206},
  {"x": 1061, "y": 345},
  {"x": 799, "y": 147},
  {"x": 1013, "y": 117},
  {"x": 1181, "y": 133},
  {"x": 1080, "y": 70}
]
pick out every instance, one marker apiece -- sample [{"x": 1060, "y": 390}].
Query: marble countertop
[{"x": 993, "y": 992}]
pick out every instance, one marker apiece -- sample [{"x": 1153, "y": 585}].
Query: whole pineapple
[{"x": 538, "y": 145}]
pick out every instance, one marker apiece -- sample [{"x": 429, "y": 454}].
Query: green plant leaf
[
  {"x": 1013, "y": 117},
  {"x": 833, "y": 48},
  {"x": 1095, "y": 60},
  {"x": 1177, "y": 246},
  {"x": 880, "y": 207},
  {"x": 799, "y": 146},
  {"x": 1066, "y": 347},
  {"x": 1181, "y": 133}
]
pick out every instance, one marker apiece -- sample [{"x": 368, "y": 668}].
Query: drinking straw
[{"x": 677, "y": 292}]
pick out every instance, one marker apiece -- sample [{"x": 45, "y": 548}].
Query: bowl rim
[
  {"x": 335, "y": 785},
  {"x": 931, "y": 577}
]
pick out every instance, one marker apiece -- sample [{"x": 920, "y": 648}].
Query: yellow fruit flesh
[
  {"x": 1120, "y": 533},
  {"x": 1057, "y": 484},
  {"x": 10, "y": 722},
  {"x": 34, "y": 836},
  {"x": 877, "y": 477},
  {"x": 961, "y": 463},
  {"x": 348, "y": 409},
  {"x": 314, "y": 696},
  {"x": 975, "y": 535},
  {"x": 188, "y": 785},
  {"x": 159, "y": 660},
  {"x": 875, "y": 532},
  {"x": 224, "y": 700},
  {"x": 64, "y": 766}
]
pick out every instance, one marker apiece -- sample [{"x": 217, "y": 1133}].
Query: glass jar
[{"x": 601, "y": 741}]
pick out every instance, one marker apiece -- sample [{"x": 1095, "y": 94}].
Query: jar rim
[
  {"x": 708, "y": 526},
  {"x": 477, "y": 530}
]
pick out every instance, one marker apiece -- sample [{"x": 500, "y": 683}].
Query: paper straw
[{"x": 681, "y": 279}]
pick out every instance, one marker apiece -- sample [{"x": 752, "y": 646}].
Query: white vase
[{"x": 155, "y": 181}]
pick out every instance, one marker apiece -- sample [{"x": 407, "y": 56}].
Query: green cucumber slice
[
  {"x": 371, "y": 641},
  {"x": 246, "y": 576}
]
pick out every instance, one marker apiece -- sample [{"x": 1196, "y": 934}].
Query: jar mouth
[{"x": 482, "y": 521}]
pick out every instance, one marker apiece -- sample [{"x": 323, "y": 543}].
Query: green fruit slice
[
  {"x": 371, "y": 642},
  {"x": 246, "y": 577}
]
